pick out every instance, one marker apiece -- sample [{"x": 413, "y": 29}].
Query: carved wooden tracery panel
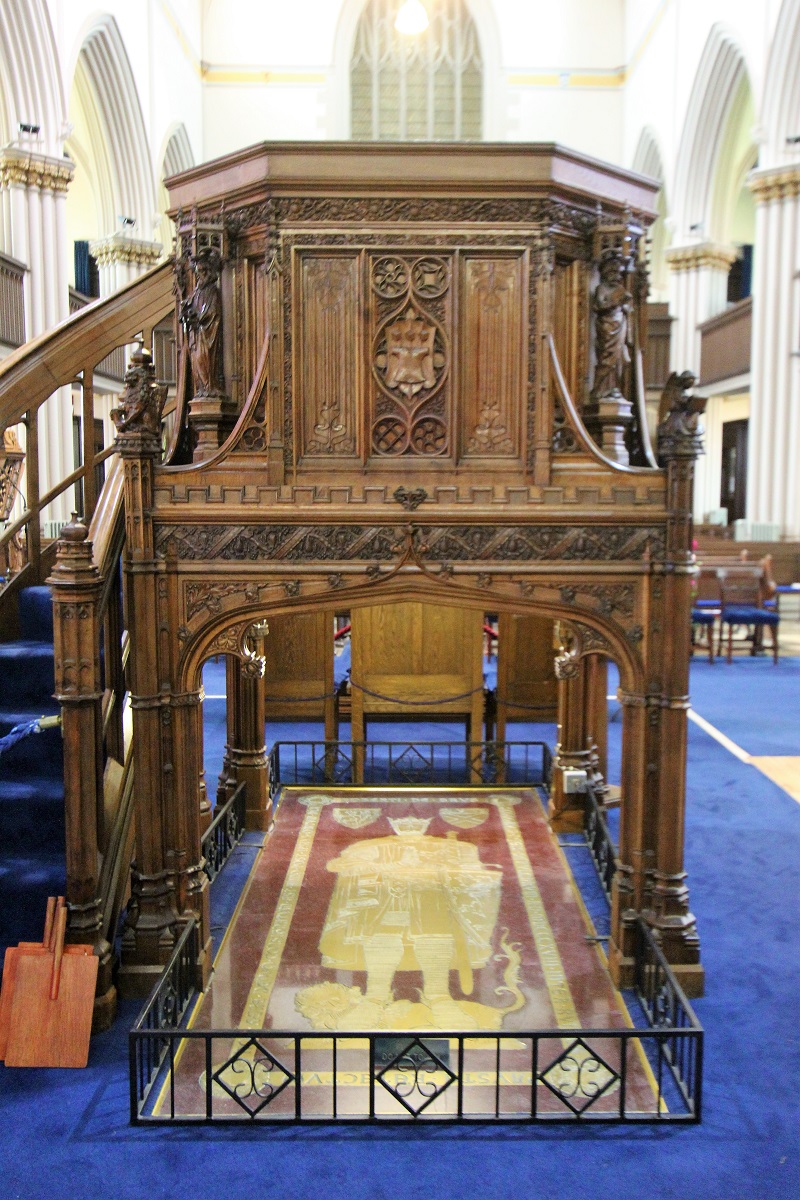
[{"x": 411, "y": 314}]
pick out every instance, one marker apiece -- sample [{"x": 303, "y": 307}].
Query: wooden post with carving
[
  {"x": 148, "y": 938},
  {"x": 249, "y": 753},
  {"x": 572, "y": 750},
  {"x": 679, "y": 446},
  {"x": 77, "y": 586}
]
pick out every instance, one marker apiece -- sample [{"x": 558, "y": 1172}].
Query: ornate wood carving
[
  {"x": 493, "y": 357},
  {"x": 411, "y": 314},
  {"x": 381, "y": 543},
  {"x": 327, "y": 370}
]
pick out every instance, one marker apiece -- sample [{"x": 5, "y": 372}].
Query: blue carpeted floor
[{"x": 65, "y": 1133}]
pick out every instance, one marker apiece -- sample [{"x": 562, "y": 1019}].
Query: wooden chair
[
  {"x": 742, "y": 598},
  {"x": 704, "y": 618}
]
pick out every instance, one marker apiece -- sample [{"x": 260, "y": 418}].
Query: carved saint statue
[
  {"x": 201, "y": 317},
  {"x": 612, "y": 304}
]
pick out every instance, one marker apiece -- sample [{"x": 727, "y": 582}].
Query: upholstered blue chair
[
  {"x": 704, "y": 618},
  {"x": 743, "y": 606}
]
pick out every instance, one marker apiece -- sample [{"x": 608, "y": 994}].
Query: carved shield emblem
[{"x": 409, "y": 354}]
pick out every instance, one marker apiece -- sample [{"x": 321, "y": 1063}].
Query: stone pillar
[
  {"x": 773, "y": 488},
  {"x": 698, "y": 290},
  {"x": 566, "y": 809},
  {"x": 148, "y": 938},
  {"x": 33, "y": 193},
  {"x": 77, "y": 587},
  {"x": 248, "y": 755},
  {"x": 121, "y": 258}
]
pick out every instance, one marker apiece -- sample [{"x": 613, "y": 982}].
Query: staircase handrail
[{"x": 63, "y": 356}]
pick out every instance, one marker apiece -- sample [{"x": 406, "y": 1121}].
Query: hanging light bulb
[{"x": 411, "y": 18}]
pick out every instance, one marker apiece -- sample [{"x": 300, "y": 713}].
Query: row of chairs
[{"x": 739, "y": 598}]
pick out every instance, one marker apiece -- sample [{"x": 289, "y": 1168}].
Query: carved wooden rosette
[{"x": 76, "y": 586}]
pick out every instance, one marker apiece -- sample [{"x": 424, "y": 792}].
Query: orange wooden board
[
  {"x": 52, "y": 1033},
  {"x": 9, "y": 980}
]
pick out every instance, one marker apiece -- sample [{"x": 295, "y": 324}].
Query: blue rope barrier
[{"x": 25, "y": 729}]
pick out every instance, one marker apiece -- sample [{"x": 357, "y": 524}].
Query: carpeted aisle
[{"x": 65, "y": 1134}]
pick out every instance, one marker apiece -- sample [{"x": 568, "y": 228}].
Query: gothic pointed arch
[
  {"x": 715, "y": 114},
  {"x": 780, "y": 116},
  {"x": 30, "y": 76},
  {"x": 109, "y": 117},
  {"x": 648, "y": 160},
  {"x": 479, "y": 46}
]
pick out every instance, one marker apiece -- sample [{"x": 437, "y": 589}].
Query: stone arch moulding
[
  {"x": 780, "y": 113},
  {"x": 104, "y": 64},
  {"x": 176, "y": 152},
  {"x": 30, "y": 76},
  {"x": 601, "y": 616},
  {"x": 720, "y": 74},
  {"x": 494, "y": 95}
]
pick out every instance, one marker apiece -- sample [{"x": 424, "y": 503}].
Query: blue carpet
[
  {"x": 32, "y": 834},
  {"x": 66, "y": 1133}
]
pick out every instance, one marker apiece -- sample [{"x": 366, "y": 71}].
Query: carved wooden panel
[
  {"x": 406, "y": 656},
  {"x": 526, "y": 679},
  {"x": 492, "y": 356},
  {"x": 327, "y": 362},
  {"x": 298, "y": 675},
  {"x": 410, "y": 355}
]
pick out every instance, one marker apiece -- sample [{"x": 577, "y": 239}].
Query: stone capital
[
  {"x": 701, "y": 254},
  {"x": 774, "y": 183},
  {"x": 117, "y": 248},
  {"x": 23, "y": 168}
]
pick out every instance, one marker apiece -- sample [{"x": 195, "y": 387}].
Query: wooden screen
[
  {"x": 526, "y": 681},
  {"x": 298, "y": 679},
  {"x": 417, "y": 653}
]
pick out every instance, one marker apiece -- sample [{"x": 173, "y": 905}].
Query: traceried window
[{"x": 423, "y": 87}]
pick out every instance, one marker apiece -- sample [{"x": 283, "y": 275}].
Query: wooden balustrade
[
  {"x": 90, "y": 343},
  {"x": 12, "y": 302},
  {"x": 725, "y": 343}
]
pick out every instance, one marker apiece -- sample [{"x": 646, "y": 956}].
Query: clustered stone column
[
  {"x": 77, "y": 586},
  {"x": 121, "y": 259},
  {"x": 773, "y": 486},
  {"x": 33, "y": 229},
  {"x": 698, "y": 290}
]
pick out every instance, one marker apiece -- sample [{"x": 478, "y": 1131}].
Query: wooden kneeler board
[{"x": 52, "y": 998}]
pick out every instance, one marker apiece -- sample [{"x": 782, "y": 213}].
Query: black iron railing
[
  {"x": 224, "y": 832},
  {"x": 667, "y": 1009},
  {"x": 265, "y": 1076},
  {"x": 152, "y": 1037},
  {"x": 410, "y": 764},
  {"x": 599, "y": 840}
]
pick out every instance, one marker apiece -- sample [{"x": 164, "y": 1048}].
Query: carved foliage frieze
[{"x": 441, "y": 544}]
